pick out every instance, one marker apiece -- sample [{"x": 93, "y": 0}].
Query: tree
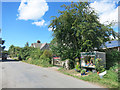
[
  {"x": 27, "y": 44},
  {"x": 77, "y": 30},
  {"x": 14, "y": 51}
]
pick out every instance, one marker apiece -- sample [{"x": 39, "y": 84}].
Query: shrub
[
  {"x": 82, "y": 71},
  {"x": 71, "y": 64},
  {"x": 47, "y": 53},
  {"x": 99, "y": 66},
  {"x": 19, "y": 57},
  {"x": 112, "y": 57},
  {"x": 113, "y": 68},
  {"x": 77, "y": 67}
]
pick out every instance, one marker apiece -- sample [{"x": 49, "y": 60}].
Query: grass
[
  {"x": 38, "y": 63},
  {"x": 110, "y": 80}
]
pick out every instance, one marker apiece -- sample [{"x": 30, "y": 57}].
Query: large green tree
[{"x": 78, "y": 29}]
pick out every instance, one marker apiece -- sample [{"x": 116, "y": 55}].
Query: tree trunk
[{"x": 80, "y": 61}]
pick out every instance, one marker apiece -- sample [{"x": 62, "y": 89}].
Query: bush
[
  {"x": 19, "y": 57},
  {"x": 77, "y": 67},
  {"x": 113, "y": 68},
  {"x": 82, "y": 71},
  {"x": 71, "y": 64},
  {"x": 32, "y": 55},
  {"x": 99, "y": 66},
  {"x": 112, "y": 57}
]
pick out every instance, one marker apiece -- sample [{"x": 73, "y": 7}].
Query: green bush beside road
[{"x": 31, "y": 55}]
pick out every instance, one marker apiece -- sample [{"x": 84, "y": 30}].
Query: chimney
[{"x": 38, "y": 41}]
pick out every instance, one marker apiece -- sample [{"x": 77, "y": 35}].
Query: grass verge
[{"x": 110, "y": 80}]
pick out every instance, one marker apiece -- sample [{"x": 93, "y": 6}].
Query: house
[
  {"x": 40, "y": 45},
  {"x": 115, "y": 44}
]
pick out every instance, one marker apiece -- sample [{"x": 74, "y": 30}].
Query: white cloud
[
  {"x": 39, "y": 23},
  {"x": 49, "y": 29},
  {"x": 107, "y": 11},
  {"x": 32, "y": 9}
]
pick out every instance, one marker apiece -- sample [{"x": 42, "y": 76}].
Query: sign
[
  {"x": 56, "y": 57},
  {"x": 88, "y": 53}
]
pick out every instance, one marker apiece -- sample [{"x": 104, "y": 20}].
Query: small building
[
  {"x": 112, "y": 45},
  {"x": 41, "y": 46},
  {"x": 56, "y": 61},
  {"x": 88, "y": 59}
]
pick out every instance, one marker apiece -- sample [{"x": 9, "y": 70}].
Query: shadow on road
[{"x": 9, "y": 60}]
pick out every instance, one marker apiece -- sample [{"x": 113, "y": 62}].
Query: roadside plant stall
[
  {"x": 56, "y": 61},
  {"x": 89, "y": 60}
]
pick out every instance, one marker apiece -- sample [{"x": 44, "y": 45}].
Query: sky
[{"x": 28, "y": 20}]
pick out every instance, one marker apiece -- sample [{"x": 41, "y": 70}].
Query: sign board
[{"x": 87, "y": 53}]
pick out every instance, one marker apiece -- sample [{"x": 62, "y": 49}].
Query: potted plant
[
  {"x": 83, "y": 72},
  {"x": 87, "y": 62},
  {"x": 99, "y": 67},
  {"x": 77, "y": 68}
]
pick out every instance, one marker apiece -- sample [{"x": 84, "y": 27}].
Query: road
[
  {"x": 0, "y": 74},
  {"x": 16, "y": 74}
]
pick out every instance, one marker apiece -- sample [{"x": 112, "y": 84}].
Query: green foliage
[
  {"x": 100, "y": 69},
  {"x": 76, "y": 30},
  {"x": 112, "y": 57},
  {"x": 112, "y": 75},
  {"x": 27, "y": 44},
  {"x": 77, "y": 67},
  {"x": 113, "y": 68},
  {"x": 82, "y": 71},
  {"x": 48, "y": 54},
  {"x": 110, "y": 80},
  {"x": 5, "y": 51},
  {"x": 14, "y": 51},
  {"x": 76, "y": 60},
  {"x": 71, "y": 64},
  {"x": 99, "y": 66},
  {"x": 36, "y": 53},
  {"x": 31, "y": 55}
]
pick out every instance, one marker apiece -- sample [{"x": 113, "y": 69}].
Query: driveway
[{"x": 16, "y": 74}]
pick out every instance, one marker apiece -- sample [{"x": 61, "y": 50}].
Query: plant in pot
[
  {"x": 92, "y": 60},
  {"x": 99, "y": 67},
  {"x": 77, "y": 68},
  {"x": 83, "y": 72}
]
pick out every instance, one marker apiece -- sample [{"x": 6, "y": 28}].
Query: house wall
[
  {"x": 118, "y": 48},
  {"x": 115, "y": 48}
]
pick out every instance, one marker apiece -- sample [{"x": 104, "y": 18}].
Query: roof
[
  {"x": 43, "y": 45},
  {"x": 111, "y": 44},
  {"x": 39, "y": 45}
]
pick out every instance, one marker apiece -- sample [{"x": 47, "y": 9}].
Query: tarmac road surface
[{"x": 16, "y": 74}]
